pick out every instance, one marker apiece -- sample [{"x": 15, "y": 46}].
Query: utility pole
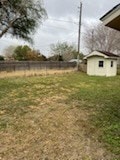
[
  {"x": 79, "y": 34},
  {"x": 92, "y": 41}
]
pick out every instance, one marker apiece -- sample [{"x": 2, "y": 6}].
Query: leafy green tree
[
  {"x": 20, "y": 17},
  {"x": 34, "y": 55},
  {"x": 1, "y": 58},
  {"x": 21, "y": 53},
  {"x": 25, "y": 53}
]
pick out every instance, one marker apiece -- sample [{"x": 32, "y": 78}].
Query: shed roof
[
  {"x": 108, "y": 54},
  {"x": 101, "y": 54}
]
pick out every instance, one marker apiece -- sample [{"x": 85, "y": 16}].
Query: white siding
[
  {"x": 94, "y": 69},
  {"x": 100, "y": 71},
  {"x": 111, "y": 71},
  {"x": 93, "y": 66}
]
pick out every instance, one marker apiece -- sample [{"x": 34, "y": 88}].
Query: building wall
[
  {"x": 94, "y": 69},
  {"x": 118, "y": 61},
  {"x": 90, "y": 66},
  {"x": 93, "y": 66},
  {"x": 111, "y": 71}
]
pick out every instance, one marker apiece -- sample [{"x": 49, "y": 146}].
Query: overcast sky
[{"x": 53, "y": 30}]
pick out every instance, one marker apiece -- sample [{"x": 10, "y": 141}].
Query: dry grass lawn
[
  {"x": 50, "y": 131},
  {"x": 41, "y": 120},
  {"x": 27, "y": 73}
]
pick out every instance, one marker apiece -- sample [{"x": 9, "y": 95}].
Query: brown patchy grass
[
  {"x": 27, "y": 73},
  {"x": 40, "y": 119},
  {"x": 51, "y": 130}
]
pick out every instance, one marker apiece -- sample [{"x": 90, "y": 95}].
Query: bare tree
[
  {"x": 9, "y": 51},
  {"x": 66, "y": 50},
  {"x": 102, "y": 38}
]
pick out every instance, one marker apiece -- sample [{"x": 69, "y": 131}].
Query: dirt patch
[{"x": 52, "y": 130}]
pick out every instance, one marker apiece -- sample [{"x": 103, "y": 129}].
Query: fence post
[
  {"x": 46, "y": 69},
  {"x": 28, "y": 65}
]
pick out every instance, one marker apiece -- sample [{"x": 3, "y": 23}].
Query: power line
[
  {"x": 57, "y": 27},
  {"x": 60, "y": 20},
  {"x": 70, "y": 35}
]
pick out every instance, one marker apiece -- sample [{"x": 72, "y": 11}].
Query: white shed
[{"x": 101, "y": 63}]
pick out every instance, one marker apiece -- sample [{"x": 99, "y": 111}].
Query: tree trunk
[{"x": 4, "y": 31}]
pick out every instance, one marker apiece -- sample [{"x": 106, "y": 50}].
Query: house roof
[
  {"x": 114, "y": 8},
  {"x": 112, "y": 18},
  {"x": 108, "y": 54}
]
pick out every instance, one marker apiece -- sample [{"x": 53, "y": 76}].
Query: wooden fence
[
  {"x": 118, "y": 69},
  {"x": 31, "y": 65},
  {"x": 83, "y": 67}
]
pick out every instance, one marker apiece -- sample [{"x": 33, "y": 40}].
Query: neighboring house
[
  {"x": 101, "y": 63},
  {"x": 112, "y": 18}
]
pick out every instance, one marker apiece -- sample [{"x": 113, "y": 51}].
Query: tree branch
[{"x": 9, "y": 26}]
